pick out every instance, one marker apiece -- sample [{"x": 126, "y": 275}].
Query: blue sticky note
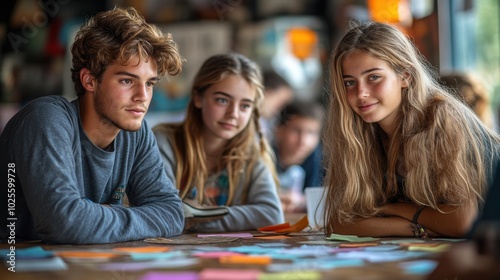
[
  {"x": 159, "y": 255},
  {"x": 251, "y": 249},
  {"x": 273, "y": 244},
  {"x": 420, "y": 267},
  {"x": 45, "y": 264},
  {"x": 26, "y": 253}
]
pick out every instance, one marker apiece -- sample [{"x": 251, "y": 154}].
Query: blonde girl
[
  {"x": 218, "y": 156},
  {"x": 404, "y": 157}
]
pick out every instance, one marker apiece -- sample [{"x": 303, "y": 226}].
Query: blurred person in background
[
  {"x": 277, "y": 94},
  {"x": 469, "y": 88},
  {"x": 298, "y": 152}
]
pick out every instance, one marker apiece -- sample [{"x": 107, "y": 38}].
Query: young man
[
  {"x": 67, "y": 165},
  {"x": 298, "y": 152}
]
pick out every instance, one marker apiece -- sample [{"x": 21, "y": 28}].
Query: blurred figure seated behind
[
  {"x": 298, "y": 152},
  {"x": 277, "y": 94},
  {"x": 472, "y": 90}
]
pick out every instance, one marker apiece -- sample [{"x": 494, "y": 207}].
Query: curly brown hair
[{"x": 117, "y": 35}]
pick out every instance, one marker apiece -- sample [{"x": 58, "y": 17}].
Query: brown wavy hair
[
  {"x": 469, "y": 88},
  {"x": 118, "y": 35},
  {"x": 445, "y": 152}
]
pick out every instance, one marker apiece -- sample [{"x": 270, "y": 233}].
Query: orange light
[
  {"x": 302, "y": 41},
  {"x": 384, "y": 10}
]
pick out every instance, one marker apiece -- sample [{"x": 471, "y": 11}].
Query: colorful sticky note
[
  {"x": 181, "y": 275},
  {"x": 328, "y": 263},
  {"x": 86, "y": 255},
  {"x": 400, "y": 241},
  {"x": 357, "y": 245},
  {"x": 438, "y": 248},
  {"x": 388, "y": 247},
  {"x": 314, "y": 264},
  {"x": 36, "y": 252},
  {"x": 274, "y": 244},
  {"x": 382, "y": 256},
  {"x": 272, "y": 237},
  {"x": 250, "y": 249},
  {"x": 154, "y": 256},
  {"x": 285, "y": 227},
  {"x": 148, "y": 249},
  {"x": 295, "y": 275},
  {"x": 245, "y": 259},
  {"x": 349, "y": 238},
  {"x": 275, "y": 228},
  {"x": 240, "y": 235},
  {"x": 318, "y": 242},
  {"x": 229, "y": 274},
  {"x": 420, "y": 267},
  {"x": 135, "y": 266},
  {"x": 45, "y": 264},
  {"x": 215, "y": 254},
  {"x": 449, "y": 239}
]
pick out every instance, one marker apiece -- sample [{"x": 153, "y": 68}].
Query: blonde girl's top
[{"x": 261, "y": 207}]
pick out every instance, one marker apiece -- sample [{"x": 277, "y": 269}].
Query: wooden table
[{"x": 386, "y": 270}]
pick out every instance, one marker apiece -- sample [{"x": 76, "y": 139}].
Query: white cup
[{"x": 315, "y": 204}]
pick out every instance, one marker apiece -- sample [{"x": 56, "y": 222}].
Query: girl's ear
[
  {"x": 405, "y": 82},
  {"x": 88, "y": 81},
  {"x": 197, "y": 99}
]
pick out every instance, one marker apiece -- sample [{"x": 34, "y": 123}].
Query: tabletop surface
[{"x": 303, "y": 255}]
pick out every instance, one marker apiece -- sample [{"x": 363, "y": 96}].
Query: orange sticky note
[
  {"x": 285, "y": 227},
  {"x": 85, "y": 254},
  {"x": 244, "y": 259},
  {"x": 356, "y": 245},
  {"x": 272, "y": 237},
  {"x": 300, "y": 225},
  {"x": 147, "y": 249},
  {"x": 275, "y": 228}
]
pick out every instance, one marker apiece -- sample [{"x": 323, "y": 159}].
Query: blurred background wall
[{"x": 293, "y": 38}]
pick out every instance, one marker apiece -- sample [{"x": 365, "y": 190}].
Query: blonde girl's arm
[
  {"x": 453, "y": 221},
  {"x": 377, "y": 227}
]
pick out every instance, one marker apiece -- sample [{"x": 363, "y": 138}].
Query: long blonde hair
[
  {"x": 446, "y": 152},
  {"x": 242, "y": 152}
]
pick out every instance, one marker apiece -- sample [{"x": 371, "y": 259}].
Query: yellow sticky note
[
  {"x": 293, "y": 275},
  {"x": 434, "y": 249}
]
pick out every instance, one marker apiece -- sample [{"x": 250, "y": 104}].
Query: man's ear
[{"x": 88, "y": 81}]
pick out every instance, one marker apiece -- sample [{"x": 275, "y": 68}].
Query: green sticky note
[
  {"x": 349, "y": 238},
  {"x": 293, "y": 275}
]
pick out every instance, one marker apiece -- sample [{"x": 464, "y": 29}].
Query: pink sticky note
[
  {"x": 229, "y": 274},
  {"x": 241, "y": 235},
  {"x": 170, "y": 276}
]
